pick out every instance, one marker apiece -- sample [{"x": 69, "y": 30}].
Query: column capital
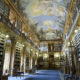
[{"x": 13, "y": 40}]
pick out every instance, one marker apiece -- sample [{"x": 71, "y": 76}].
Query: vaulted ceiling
[{"x": 47, "y": 16}]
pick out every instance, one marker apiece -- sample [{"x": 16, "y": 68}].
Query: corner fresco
[{"x": 47, "y": 16}]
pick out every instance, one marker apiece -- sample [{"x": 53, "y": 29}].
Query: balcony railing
[
  {"x": 78, "y": 4},
  {"x": 4, "y": 9},
  {"x": 4, "y": 18},
  {"x": 73, "y": 19},
  {"x": 19, "y": 6},
  {"x": 7, "y": 22}
]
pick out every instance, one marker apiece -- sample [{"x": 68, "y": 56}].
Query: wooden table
[
  {"x": 19, "y": 73},
  {"x": 5, "y": 77}
]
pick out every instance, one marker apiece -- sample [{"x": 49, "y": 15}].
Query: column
[
  {"x": 66, "y": 64},
  {"x": 72, "y": 59},
  {"x": 7, "y": 56},
  {"x": 30, "y": 59},
  {"x": 13, "y": 49},
  {"x": 23, "y": 60},
  {"x": 35, "y": 59}
]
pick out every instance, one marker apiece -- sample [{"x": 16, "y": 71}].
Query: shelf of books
[
  {"x": 2, "y": 42},
  {"x": 27, "y": 61},
  {"x": 77, "y": 41},
  {"x": 79, "y": 56},
  {"x": 17, "y": 59}
]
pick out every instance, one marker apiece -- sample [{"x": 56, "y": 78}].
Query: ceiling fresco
[{"x": 48, "y": 16}]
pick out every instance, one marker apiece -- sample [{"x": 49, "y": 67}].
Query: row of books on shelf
[
  {"x": 2, "y": 42},
  {"x": 78, "y": 52},
  {"x": 27, "y": 60},
  {"x": 77, "y": 39},
  {"x": 17, "y": 58}
]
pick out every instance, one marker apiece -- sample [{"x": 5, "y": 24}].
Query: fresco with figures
[{"x": 48, "y": 17}]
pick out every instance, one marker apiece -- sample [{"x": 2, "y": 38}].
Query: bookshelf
[
  {"x": 77, "y": 39},
  {"x": 51, "y": 61},
  {"x": 79, "y": 53},
  {"x": 79, "y": 57},
  {"x": 40, "y": 62},
  {"x": 2, "y": 42},
  {"x": 77, "y": 42},
  {"x": 27, "y": 61},
  {"x": 17, "y": 59}
]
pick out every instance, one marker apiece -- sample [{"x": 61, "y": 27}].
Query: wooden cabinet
[{"x": 5, "y": 77}]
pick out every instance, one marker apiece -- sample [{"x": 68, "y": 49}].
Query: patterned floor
[{"x": 45, "y": 75}]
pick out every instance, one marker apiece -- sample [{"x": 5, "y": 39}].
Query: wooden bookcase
[
  {"x": 2, "y": 42},
  {"x": 77, "y": 43},
  {"x": 27, "y": 61},
  {"x": 79, "y": 57},
  {"x": 17, "y": 60}
]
